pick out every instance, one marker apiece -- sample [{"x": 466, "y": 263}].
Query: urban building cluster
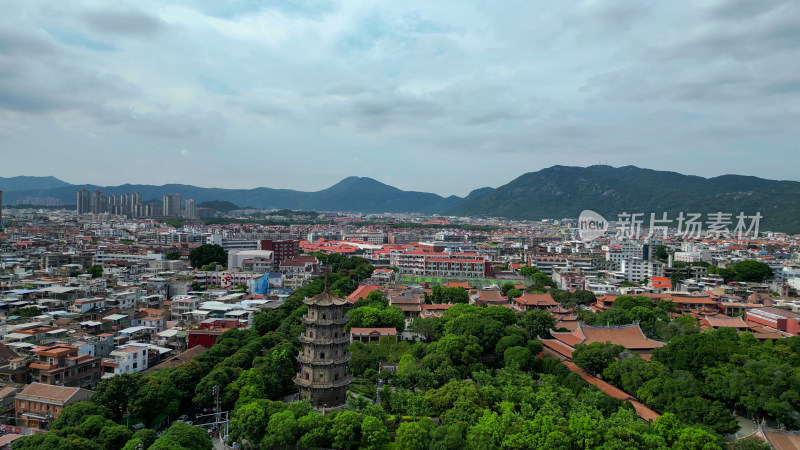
[
  {"x": 110, "y": 288},
  {"x": 131, "y": 205}
]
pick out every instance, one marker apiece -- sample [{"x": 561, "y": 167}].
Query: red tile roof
[
  {"x": 543, "y": 300},
  {"x": 643, "y": 411},
  {"x": 437, "y": 306},
  {"x": 366, "y": 331},
  {"x": 490, "y": 296},
  {"x": 558, "y": 347},
  {"x": 628, "y": 336},
  {"x": 361, "y": 292},
  {"x": 724, "y": 321},
  {"x": 40, "y": 391},
  {"x": 782, "y": 441}
]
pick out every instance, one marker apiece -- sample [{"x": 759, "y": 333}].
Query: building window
[{"x": 322, "y": 355}]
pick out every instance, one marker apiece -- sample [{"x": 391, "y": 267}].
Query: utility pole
[{"x": 215, "y": 390}]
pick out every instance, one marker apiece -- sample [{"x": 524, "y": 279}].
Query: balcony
[
  {"x": 323, "y": 384},
  {"x": 345, "y": 339},
  {"x": 302, "y": 359},
  {"x": 318, "y": 321}
]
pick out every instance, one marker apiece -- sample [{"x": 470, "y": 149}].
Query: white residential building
[
  {"x": 641, "y": 269},
  {"x": 124, "y": 300},
  {"x": 787, "y": 273},
  {"x": 101, "y": 258},
  {"x": 620, "y": 251},
  {"x": 182, "y": 307},
  {"x": 128, "y": 358},
  {"x": 265, "y": 258}
]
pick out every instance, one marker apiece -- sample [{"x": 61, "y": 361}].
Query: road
[{"x": 218, "y": 444}]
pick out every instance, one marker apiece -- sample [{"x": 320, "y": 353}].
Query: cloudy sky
[{"x": 437, "y": 96}]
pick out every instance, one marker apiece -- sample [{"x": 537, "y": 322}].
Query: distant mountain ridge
[
  {"x": 23, "y": 183},
  {"x": 351, "y": 194},
  {"x": 562, "y": 191},
  {"x": 554, "y": 192}
]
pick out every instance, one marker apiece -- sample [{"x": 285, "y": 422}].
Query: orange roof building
[
  {"x": 530, "y": 301},
  {"x": 361, "y": 292},
  {"x": 725, "y": 321},
  {"x": 629, "y": 336},
  {"x": 370, "y": 334}
]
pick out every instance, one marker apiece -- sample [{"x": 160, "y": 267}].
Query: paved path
[
  {"x": 218, "y": 444},
  {"x": 748, "y": 427}
]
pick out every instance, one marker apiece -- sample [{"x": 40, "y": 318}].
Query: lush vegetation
[
  {"x": 89, "y": 426},
  {"x": 28, "y": 311},
  {"x": 476, "y": 384},
  {"x": 441, "y": 294},
  {"x": 568, "y": 298},
  {"x": 477, "y": 381},
  {"x": 374, "y": 311},
  {"x": 653, "y": 318},
  {"x": 699, "y": 377},
  {"x": 535, "y": 280},
  {"x": 208, "y": 254},
  {"x": 95, "y": 271},
  {"x": 748, "y": 270},
  {"x": 759, "y": 380},
  {"x": 561, "y": 191}
]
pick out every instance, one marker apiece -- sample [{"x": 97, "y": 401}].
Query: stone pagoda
[{"x": 324, "y": 376}]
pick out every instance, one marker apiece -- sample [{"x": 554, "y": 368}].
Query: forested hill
[
  {"x": 359, "y": 194},
  {"x": 554, "y": 192},
  {"x": 29, "y": 183},
  {"x": 561, "y": 191}
]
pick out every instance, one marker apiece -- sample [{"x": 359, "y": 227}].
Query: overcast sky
[{"x": 443, "y": 96}]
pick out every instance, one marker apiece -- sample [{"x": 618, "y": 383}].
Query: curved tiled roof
[
  {"x": 536, "y": 300},
  {"x": 628, "y": 336},
  {"x": 325, "y": 299}
]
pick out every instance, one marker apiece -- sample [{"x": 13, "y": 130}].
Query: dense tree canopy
[
  {"x": 95, "y": 271},
  {"x": 596, "y": 356},
  {"x": 441, "y": 294},
  {"x": 538, "y": 323},
  {"x": 748, "y": 270},
  {"x": 208, "y": 254},
  {"x": 370, "y": 316}
]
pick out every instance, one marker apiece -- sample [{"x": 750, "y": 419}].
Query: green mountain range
[
  {"x": 561, "y": 191},
  {"x": 358, "y": 194},
  {"x": 554, "y": 192},
  {"x": 30, "y": 183}
]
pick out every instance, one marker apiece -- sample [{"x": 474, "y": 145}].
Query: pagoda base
[{"x": 327, "y": 398}]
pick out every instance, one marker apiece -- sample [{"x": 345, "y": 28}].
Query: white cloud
[{"x": 397, "y": 89}]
